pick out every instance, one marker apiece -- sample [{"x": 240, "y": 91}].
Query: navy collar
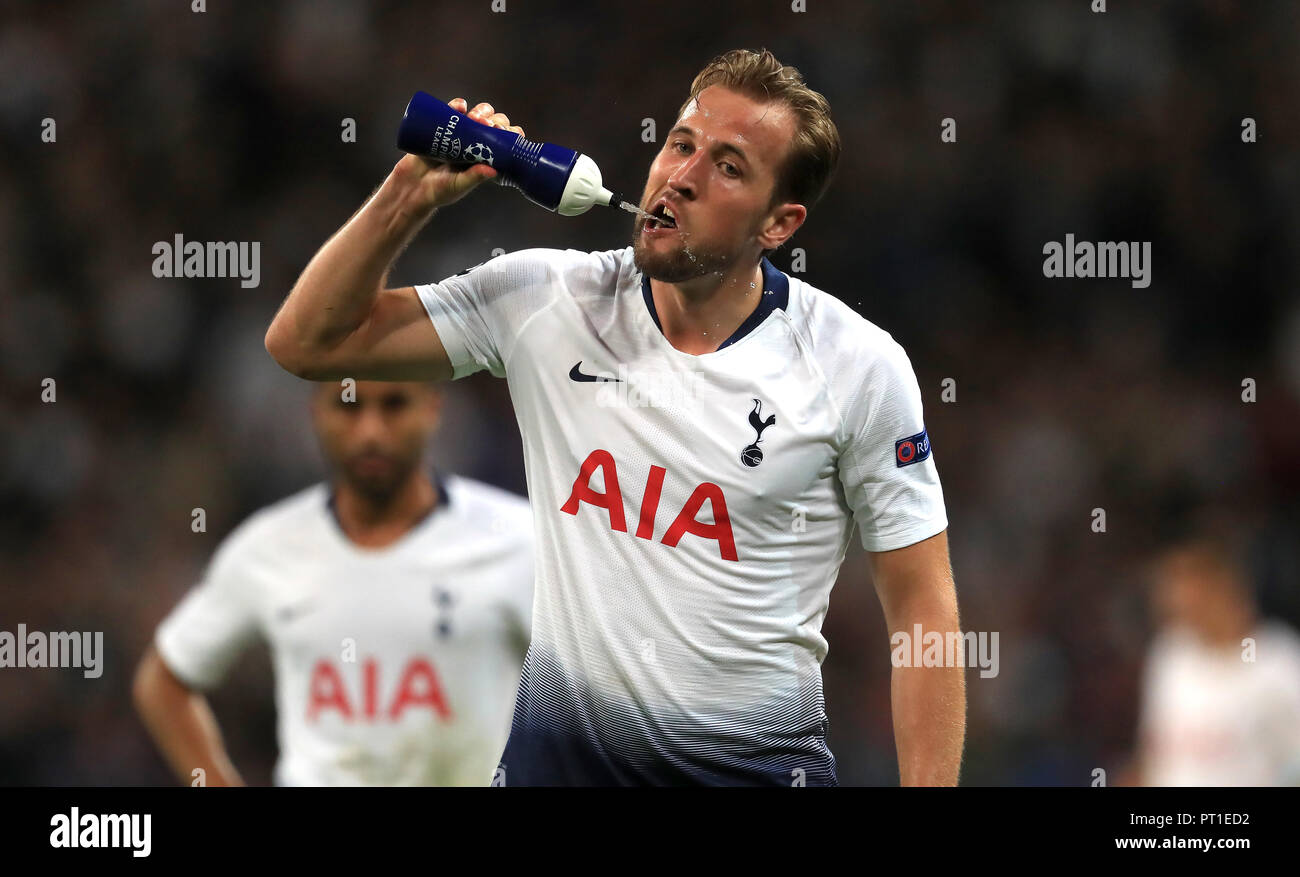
[
  {"x": 444, "y": 499},
  {"x": 776, "y": 294}
]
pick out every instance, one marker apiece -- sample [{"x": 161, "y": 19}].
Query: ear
[{"x": 781, "y": 222}]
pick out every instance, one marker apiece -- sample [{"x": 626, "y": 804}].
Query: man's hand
[
  {"x": 438, "y": 183},
  {"x": 181, "y": 724},
  {"x": 915, "y": 586},
  {"x": 339, "y": 320}
]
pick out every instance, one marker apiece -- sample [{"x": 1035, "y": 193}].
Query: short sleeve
[
  {"x": 887, "y": 467},
  {"x": 213, "y": 623},
  {"x": 479, "y": 313}
]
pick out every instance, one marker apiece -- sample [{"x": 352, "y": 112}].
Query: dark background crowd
[{"x": 1071, "y": 394}]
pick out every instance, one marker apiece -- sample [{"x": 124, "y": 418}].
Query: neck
[
  {"x": 697, "y": 315},
  {"x": 373, "y": 523},
  {"x": 1228, "y": 630}
]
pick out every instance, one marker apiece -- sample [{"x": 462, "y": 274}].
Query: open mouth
[{"x": 662, "y": 218}]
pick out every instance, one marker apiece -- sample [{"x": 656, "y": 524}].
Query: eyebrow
[{"x": 724, "y": 147}]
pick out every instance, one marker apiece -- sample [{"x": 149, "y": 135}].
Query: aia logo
[
  {"x": 417, "y": 688},
  {"x": 752, "y": 456},
  {"x": 685, "y": 522}
]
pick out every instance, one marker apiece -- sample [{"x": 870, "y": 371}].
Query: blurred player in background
[
  {"x": 1221, "y": 689},
  {"x": 396, "y": 602}
]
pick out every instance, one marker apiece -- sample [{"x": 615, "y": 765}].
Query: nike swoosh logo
[{"x": 575, "y": 374}]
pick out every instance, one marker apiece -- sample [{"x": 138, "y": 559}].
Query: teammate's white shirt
[
  {"x": 683, "y": 577},
  {"x": 393, "y": 666},
  {"x": 1210, "y": 718}
]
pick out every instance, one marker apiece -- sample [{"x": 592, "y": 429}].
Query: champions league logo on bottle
[
  {"x": 551, "y": 176},
  {"x": 752, "y": 456},
  {"x": 477, "y": 152}
]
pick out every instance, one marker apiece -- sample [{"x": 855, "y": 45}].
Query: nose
[
  {"x": 683, "y": 178},
  {"x": 370, "y": 426}
]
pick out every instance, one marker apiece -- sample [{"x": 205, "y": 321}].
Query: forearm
[
  {"x": 929, "y": 707},
  {"x": 182, "y": 725},
  {"x": 916, "y": 589},
  {"x": 337, "y": 291}
]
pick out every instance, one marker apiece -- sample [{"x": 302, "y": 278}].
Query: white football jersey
[
  {"x": 393, "y": 666},
  {"x": 691, "y": 513},
  {"x": 1212, "y": 718}
]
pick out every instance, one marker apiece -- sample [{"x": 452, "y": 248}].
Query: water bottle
[{"x": 551, "y": 176}]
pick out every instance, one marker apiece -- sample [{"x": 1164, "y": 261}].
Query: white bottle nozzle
[{"x": 584, "y": 189}]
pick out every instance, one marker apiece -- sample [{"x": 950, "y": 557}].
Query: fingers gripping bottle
[{"x": 551, "y": 176}]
